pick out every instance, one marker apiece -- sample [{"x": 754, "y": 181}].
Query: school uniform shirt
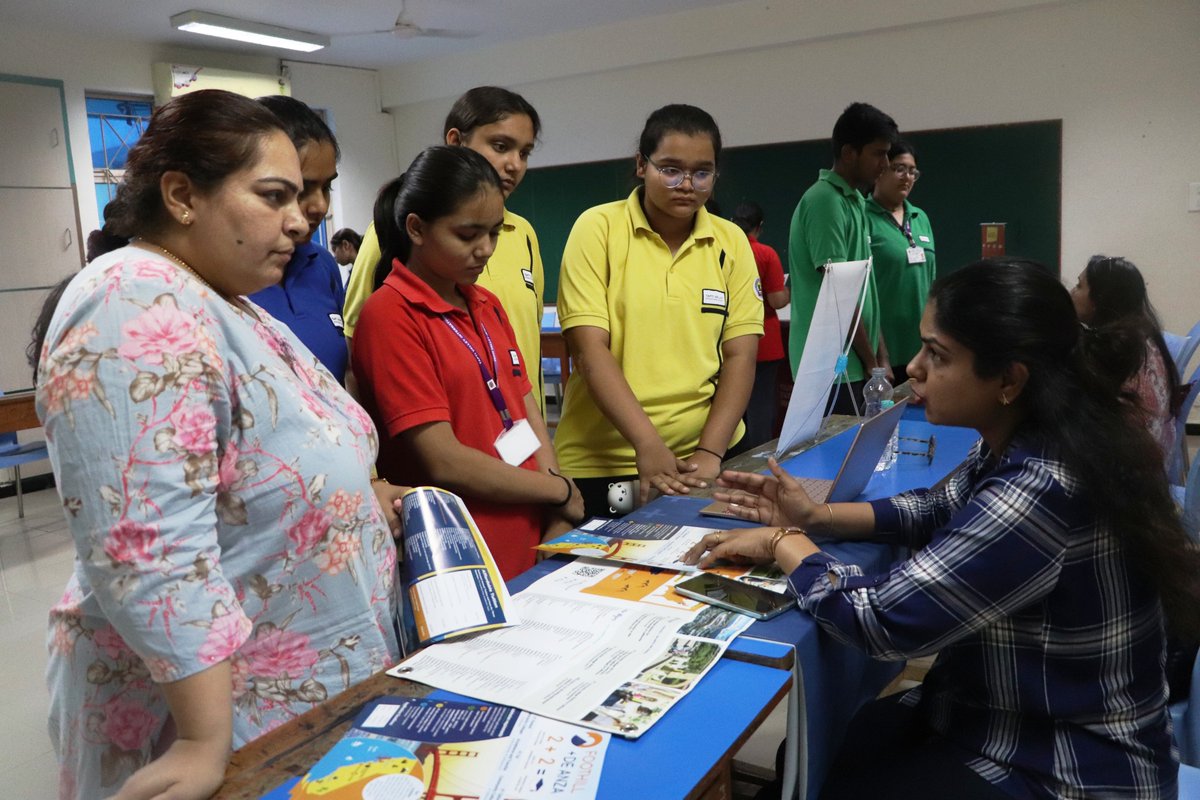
[
  {"x": 514, "y": 274},
  {"x": 666, "y": 317},
  {"x": 770, "y": 277},
  {"x": 413, "y": 369},
  {"x": 902, "y": 286},
  {"x": 1049, "y": 673},
  {"x": 309, "y": 301},
  {"x": 829, "y": 224}
]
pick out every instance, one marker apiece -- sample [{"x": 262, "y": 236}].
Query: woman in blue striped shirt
[{"x": 1044, "y": 574}]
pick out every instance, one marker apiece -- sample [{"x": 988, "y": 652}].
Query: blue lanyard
[
  {"x": 493, "y": 387},
  {"x": 906, "y": 229}
]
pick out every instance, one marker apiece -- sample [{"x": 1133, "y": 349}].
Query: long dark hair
[
  {"x": 1117, "y": 290},
  {"x": 484, "y": 105},
  {"x": 434, "y": 185},
  {"x": 208, "y": 135},
  {"x": 678, "y": 118},
  {"x": 1013, "y": 311},
  {"x": 300, "y": 123}
]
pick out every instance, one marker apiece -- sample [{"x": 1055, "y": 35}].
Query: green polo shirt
[
  {"x": 829, "y": 224},
  {"x": 902, "y": 286}
]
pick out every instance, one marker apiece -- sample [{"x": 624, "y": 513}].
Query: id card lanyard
[
  {"x": 915, "y": 254},
  {"x": 490, "y": 382}
]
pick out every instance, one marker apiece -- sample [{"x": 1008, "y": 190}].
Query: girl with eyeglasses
[
  {"x": 904, "y": 257},
  {"x": 661, "y": 308}
]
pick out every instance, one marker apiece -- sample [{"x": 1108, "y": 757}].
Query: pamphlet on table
[
  {"x": 403, "y": 748},
  {"x": 654, "y": 544},
  {"x": 451, "y": 584},
  {"x": 608, "y": 646}
]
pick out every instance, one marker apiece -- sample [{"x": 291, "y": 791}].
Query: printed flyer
[
  {"x": 654, "y": 544},
  {"x": 426, "y": 749},
  {"x": 451, "y": 583}
]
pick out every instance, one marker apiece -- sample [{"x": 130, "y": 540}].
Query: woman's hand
[
  {"x": 389, "y": 500},
  {"x": 659, "y": 469},
  {"x": 775, "y": 499},
  {"x": 188, "y": 770},
  {"x": 707, "y": 466},
  {"x": 745, "y": 546}
]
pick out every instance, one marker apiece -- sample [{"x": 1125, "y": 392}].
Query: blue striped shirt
[{"x": 1051, "y": 648}]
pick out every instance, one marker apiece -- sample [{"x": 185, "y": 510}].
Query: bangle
[
  {"x": 570, "y": 491},
  {"x": 700, "y": 449},
  {"x": 779, "y": 534},
  {"x": 829, "y": 508}
]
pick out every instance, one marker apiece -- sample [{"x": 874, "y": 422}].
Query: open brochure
[
  {"x": 654, "y": 544},
  {"x": 605, "y": 645},
  {"x": 450, "y": 582},
  {"x": 403, "y": 748}
]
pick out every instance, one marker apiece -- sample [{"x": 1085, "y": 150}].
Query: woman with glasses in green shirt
[{"x": 903, "y": 253}]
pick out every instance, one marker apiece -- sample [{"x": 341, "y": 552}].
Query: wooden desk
[
  {"x": 17, "y": 412},
  {"x": 688, "y": 755},
  {"x": 554, "y": 345}
]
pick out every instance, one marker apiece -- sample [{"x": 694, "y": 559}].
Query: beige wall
[{"x": 1124, "y": 78}]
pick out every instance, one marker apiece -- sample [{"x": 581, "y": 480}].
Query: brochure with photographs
[{"x": 654, "y": 544}]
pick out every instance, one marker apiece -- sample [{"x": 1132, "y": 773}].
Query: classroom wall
[
  {"x": 350, "y": 96},
  {"x": 1121, "y": 76}
]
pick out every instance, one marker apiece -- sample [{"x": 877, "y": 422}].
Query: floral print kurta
[{"x": 216, "y": 482}]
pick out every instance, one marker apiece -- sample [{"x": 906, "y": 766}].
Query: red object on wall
[{"x": 991, "y": 236}]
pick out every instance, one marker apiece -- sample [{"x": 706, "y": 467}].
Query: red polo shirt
[
  {"x": 770, "y": 275},
  {"x": 412, "y": 369}
]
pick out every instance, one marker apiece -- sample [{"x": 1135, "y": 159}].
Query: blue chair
[
  {"x": 1176, "y": 345},
  {"x": 1185, "y": 719},
  {"x": 14, "y": 454},
  {"x": 1192, "y": 341},
  {"x": 1177, "y": 464}
]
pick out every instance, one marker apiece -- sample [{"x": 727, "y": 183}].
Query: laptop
[{"x": 857, "y": 467}]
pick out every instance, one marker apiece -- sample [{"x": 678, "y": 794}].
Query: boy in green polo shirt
[{"x": 830, "y": 224}]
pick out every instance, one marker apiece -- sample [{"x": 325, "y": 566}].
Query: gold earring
[{"x": 185, "y": 217}]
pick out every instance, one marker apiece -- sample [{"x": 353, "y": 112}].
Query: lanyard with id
[
  {"x": 916, "y": 255},
  {"x": 517, "y": 441}
]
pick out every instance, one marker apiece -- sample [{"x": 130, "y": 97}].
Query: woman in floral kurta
[{"x": 215, "y": 478}]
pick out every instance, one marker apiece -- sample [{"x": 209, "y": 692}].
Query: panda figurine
[{"x": 621, "y": 496}]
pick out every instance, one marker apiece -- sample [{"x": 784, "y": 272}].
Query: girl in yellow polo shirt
[{"x": 661, "y": 308}]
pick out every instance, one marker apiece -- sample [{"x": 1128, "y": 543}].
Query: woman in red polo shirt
[{"x": 439, "y": 370}]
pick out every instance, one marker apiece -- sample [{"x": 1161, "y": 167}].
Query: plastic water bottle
[
  {"x": 877, "y": 396},
  {"x": 893, "y": 446}
]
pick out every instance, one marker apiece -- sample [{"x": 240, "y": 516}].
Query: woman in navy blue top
[
  {"x": 309, "y": 298},
  {"x": 1044, "y": 573}
]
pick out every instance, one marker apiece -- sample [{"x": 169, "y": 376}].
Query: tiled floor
[{"x": 36, "y": 554}]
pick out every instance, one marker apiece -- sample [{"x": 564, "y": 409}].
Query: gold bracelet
[
  {"x": 779, "y": 534},
  {"x": 829, "y": 508}
]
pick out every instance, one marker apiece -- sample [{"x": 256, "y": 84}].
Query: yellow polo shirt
[
  {"x": 666, "y": 316},
  {"x": 514, "y": 274}
]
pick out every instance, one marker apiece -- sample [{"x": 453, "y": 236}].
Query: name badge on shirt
[
  {"x": 916, "y": 255},
  {"x": 924, "y": 239},
  {"x": 515, "y": 357},
  {"x": 527, "y": 274},
  {"x": 712, "y": 297},
  {"x": 336, "y": 319},
  {"x": 517, "y": 443}
]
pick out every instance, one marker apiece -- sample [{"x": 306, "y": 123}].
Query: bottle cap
[{"x": 886, "y": 404}]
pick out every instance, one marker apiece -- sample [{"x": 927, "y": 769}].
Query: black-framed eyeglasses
[
  {"x": 903, "y": 169},
  {"x": 673, "y": 177}
]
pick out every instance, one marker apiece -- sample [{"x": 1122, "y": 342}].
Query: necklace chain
[{"x": 235, "y": 302}]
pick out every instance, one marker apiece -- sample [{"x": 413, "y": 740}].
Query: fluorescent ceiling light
[{"x": 244, "y": 31}]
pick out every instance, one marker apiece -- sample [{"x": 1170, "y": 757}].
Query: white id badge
[
  {"x": 517, "y": 443},
  {"x": 916, "y": 255}
]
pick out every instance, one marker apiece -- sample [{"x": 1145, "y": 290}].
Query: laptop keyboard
[{"x": 816, "y": 488}]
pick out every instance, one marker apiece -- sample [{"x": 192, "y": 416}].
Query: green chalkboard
[{"x": 993, "y": 173}]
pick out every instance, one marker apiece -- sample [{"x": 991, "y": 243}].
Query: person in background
[
  {"x": 1044, "y": 574},
  {"x": 658, "y": 305},
  {"x": 344, "y": 245},
  {"x": 437, "y": 364},
  {"x": 234, "y": 566},
  {"x": 763, "y": 408},
  {"x": 1110, "y": 296},
  {"x": 830, "y": 224},
  {"x": 503, "y": 127},
  {"x": 309, "y": 297},
  {"x": 903, "y": 252}
]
